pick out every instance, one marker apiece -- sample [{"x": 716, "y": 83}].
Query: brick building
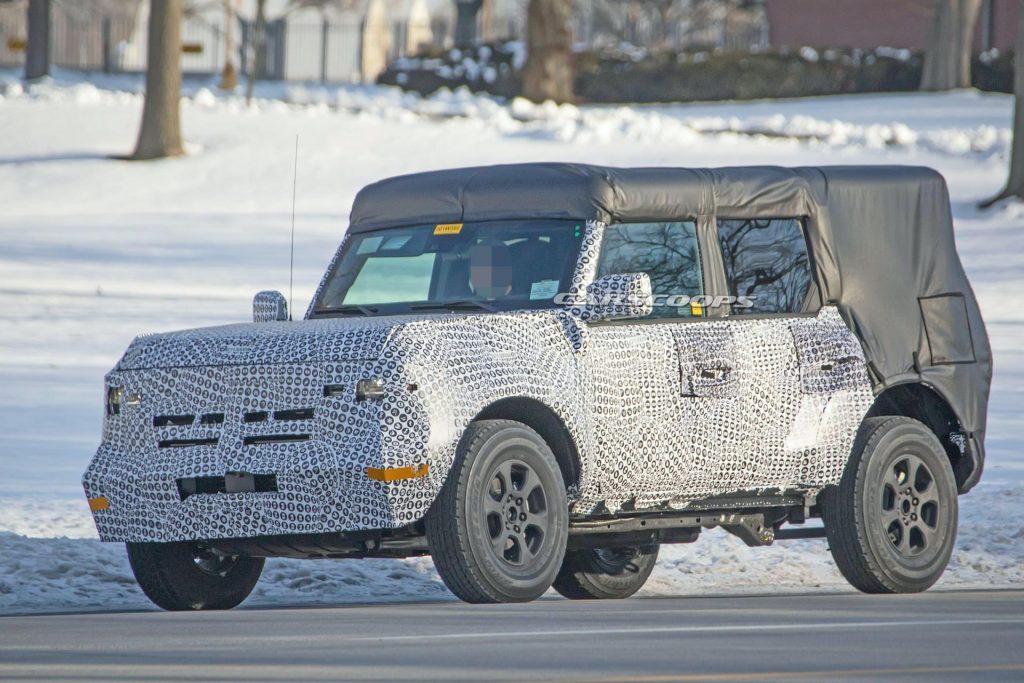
[{"x": 873, "y": 23}]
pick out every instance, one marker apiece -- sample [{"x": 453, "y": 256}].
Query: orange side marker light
[{"x": 389, "y": 474}]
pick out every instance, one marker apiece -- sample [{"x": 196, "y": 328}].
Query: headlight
[
  {"x": 372, "y": 389},
  {"x": 114, "y": 397}
]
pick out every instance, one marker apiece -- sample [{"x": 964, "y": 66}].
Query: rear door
[
  {"x": 700, "y": 399},
  {"x": 780, "y": 343}
]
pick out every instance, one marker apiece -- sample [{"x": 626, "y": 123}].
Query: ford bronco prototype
[{"x": 539, "y": 373}]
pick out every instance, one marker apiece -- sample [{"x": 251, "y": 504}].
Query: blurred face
[{"x": 490, "y": 270}]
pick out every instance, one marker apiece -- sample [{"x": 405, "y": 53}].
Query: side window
[
  {"x": 667, "y": 252},
  {"x": 766, "y": 264}
]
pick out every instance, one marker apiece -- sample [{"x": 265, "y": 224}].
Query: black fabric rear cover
[{"x": 881, "y": 238}]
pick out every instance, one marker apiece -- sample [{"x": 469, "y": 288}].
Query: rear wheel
[
  {"x": 186, "y": 576},
  {"x": 498, "y": 529},
  {"x": 891, "y": 522},
  {"x": 605, "y": 573}
]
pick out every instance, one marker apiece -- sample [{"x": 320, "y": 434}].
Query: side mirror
[
  {"x": 621, "y": 296},
  {"x": 269, "y": 306}
]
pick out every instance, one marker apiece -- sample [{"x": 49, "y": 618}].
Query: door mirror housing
[
  {"x": 269, "y": 306},
  {"x": 622, "y": 296}
]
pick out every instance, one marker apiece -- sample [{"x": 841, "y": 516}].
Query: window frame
[
  {"x": 696, "y": 220},
  {"x": 811, "y": 306},
  {"x": 713, "y": 273},
  {"x": 384, "y": 310}
]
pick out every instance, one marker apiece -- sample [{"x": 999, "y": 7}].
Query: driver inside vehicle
[{"x": 490, "y": 270}]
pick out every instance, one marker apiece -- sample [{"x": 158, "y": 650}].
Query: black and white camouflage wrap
[
  {"x": 621, "y": 296},
  {"x": 661, "y": 413},
  {"x": 269, "y": 306}
]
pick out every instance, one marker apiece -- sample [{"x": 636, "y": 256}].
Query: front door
[{"x": 645, "y": 429}]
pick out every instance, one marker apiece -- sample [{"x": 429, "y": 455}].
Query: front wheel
[
  {"x": 186, "y": 576},
  {"x": 605, "y": 573},
  {"x": 498, "y": 529},
  {"x": 891, "y": 522}
]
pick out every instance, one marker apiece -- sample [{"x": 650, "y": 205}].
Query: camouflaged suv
[{"x": 539, "y": 373}]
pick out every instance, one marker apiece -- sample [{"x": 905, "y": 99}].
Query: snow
[
  {"x": 96, "y": 250},
  {"x": 809, "y": 54},
  {"x": 42, "y": 573}
]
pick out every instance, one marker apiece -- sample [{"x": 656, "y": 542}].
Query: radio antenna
[{"x": 291, "y": 265}]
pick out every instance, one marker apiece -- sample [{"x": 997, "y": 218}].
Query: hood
[{"x": 302, "y": 341}]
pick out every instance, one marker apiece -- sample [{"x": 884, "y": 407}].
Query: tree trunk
[
  {"x": 466, "y": 12},
  {"x": 37, "y": 52},
  {"x": 260, "y": 41},
  {"x": 160, "y": 135},
  {"x": 664, "y": 8},
  {"x": 229, "y": 75},
  {"x": 947, "y": 53},
  {"x": 548, "y": 72},
  {"x": 487, "y": 21},
  {"x": 1015, "y": 183}
]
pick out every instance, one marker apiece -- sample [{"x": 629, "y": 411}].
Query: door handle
[
  {"x": 715, "y": 374},
  {"x": 829, "y": 366}
]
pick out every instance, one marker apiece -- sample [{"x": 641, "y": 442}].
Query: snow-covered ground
[{"x": 95, "y": 250}]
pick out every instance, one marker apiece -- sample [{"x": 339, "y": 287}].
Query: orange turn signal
[
  {"x": 99, "y": 503},
  {"x": 388, "y": 474}
]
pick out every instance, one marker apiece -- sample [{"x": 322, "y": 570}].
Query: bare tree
[
  {"x": 260, "y": 40},
  {"x": 548, "y": 72},
  {"x": 37, "y": 52},
  {"x": 160, "y": 135},
  {"x": 1015, "y": 183},
  {"x": 487, "y": 21},
  {"x": 947, "y": 53},
  {"x": 664, "y": 9},
  {"x": 229, "y": 75}
]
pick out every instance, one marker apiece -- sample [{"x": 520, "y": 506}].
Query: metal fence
[
  {"x": 111, "y": 44},
  {"x": 329, "y": 51},
  {"x": 305, "y": 47},
  {"x": 669, "y": 25},
  {"x": 12, "y": 40}
]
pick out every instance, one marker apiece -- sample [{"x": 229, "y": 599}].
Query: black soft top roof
[
  {"x": 881, "y": 238},
  {"x": 568, "y": 191}
]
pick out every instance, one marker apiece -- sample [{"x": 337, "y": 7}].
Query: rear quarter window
[{"x": 767, "y": 267}]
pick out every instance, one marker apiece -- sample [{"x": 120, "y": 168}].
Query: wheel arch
[
  {"x": 545, "y": 421},
  {"x": 924, "y": 403}
]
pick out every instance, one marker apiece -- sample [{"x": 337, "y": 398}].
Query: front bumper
[
  {"x": 146, "y": 504},
  {"x": 276, "y": 422}
]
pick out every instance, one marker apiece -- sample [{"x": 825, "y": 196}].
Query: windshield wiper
[
  {"x": 365, "y": 310},
  {"x": 462, "y": 304}
]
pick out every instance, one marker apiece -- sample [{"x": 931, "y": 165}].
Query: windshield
[{"x": 498, "y": 265}]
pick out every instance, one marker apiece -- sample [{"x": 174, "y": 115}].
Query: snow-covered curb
[{"x": 59, "y": 574}]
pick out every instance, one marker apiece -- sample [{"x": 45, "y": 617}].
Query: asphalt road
[{"x": 934, "y": 636}]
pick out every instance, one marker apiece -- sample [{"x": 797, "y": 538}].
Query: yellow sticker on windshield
[{"x": 447, "y": 228}]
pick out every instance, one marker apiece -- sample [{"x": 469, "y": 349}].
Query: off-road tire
[
  {"x": 891, "y": 522},
  {"x": 172, "y": 576},
  {"x": 481, "y": 553},
  {"x": 605, "y": 573}
]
